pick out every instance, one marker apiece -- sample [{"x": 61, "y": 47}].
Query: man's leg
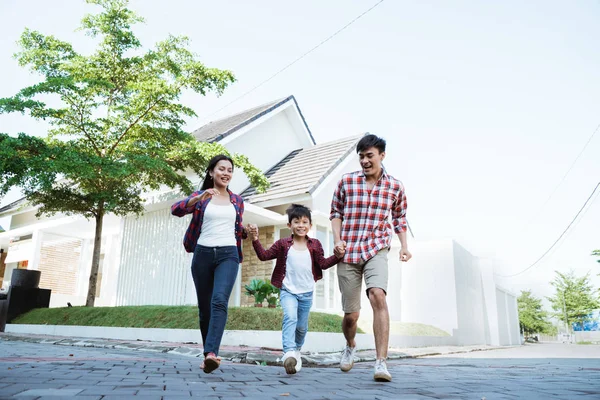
[
  {"x": 349, "y": 326},
  {"x": 350, "y": 281},
  {"x": 376, "y": 279},
  {"x": 381, "y": 321}
]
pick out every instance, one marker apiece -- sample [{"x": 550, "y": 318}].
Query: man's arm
[
  {"x": 400, "y": 223},
  {"x": 336, "y": 216}
]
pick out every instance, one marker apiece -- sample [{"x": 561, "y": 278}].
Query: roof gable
[
  {"x": 303, "y": 170},
  {"x": 214, "y": 131}
]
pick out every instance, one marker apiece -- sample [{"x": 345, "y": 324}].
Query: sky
[{"x": 484, "y": 105}]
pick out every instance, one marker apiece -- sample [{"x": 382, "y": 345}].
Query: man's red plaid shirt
[{"x": 365, "y": 214}]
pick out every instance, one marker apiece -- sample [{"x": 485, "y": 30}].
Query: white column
[{"x": 36, "y": 250}]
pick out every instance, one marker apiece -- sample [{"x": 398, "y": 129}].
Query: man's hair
[
  {"x": 369, "y": 141},
  {"x": 298, "y": 211}
]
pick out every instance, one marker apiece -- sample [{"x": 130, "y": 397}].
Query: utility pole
[{"x": 566, "y": 316}]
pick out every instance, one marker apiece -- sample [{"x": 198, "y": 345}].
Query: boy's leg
[
  {"x": 304, "y": 305},
  {"x": 376, "y": 279},
  {"x": 289, "y": 304}
]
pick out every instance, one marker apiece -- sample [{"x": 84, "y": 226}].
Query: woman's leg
[
  {"x": 203, "y": 275},
  {"x": 225, "y": 274}
]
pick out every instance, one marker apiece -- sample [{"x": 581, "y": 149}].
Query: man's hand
[
  {"x": 405, "y": 255},
  {"x": 253, "y": 231},
  {"x": 340, "y": 249}
]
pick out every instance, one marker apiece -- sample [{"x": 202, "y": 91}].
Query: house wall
[
  {"x": 428, "y": 288},
  {"x": 252, "y": 267},
  {"x": 469, "y": 298},
  {"x": 323, "y": 195},
  {"x": 154, "y": 267},
  {"x": 59, "y": 266},
  {"x": 265, "y": 145}
]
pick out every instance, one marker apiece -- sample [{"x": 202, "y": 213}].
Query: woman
[{"x": 215, "y": 237}]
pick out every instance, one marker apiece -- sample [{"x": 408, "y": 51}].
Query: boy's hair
[
  {"x": 369, "y": 141},
  {"x": 298, "y": 211}
]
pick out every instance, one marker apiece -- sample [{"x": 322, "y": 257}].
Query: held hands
[
  {"x": 340, "y": 249},
  {"x": 252, "y": 230}
]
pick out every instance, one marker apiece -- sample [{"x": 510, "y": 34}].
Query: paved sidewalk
[
  {"x": 244, "y": 355},
  {"x": 45, "y": 371}
]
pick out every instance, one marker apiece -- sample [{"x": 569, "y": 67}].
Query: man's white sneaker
[
  {"x": 381, "y": 373},
  {"x": 289, "y": 362},
  {"x": 298, "y": 361},
  {"x": 347, "y": 361}
]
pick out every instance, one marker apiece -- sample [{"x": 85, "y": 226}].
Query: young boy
[{"x": 300, "y": 263}]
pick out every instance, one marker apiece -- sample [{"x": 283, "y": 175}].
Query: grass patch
[
  {"x": 406, "y": 329},
  {"x": 586, "y": 342},
  {"x": 173, "y": 317}
]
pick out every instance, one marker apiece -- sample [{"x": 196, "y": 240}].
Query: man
[{"x": 360, "y": 210}]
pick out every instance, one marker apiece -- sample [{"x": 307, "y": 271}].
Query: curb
[{"x": 242, "y": 355}]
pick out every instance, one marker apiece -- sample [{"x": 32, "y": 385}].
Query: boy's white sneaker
[
  {"x": 347, "y": 361},
  {"x": 381, "y": 372},
  {"x": 289, "y": 362},
  {"x": 298, "y": 361}
]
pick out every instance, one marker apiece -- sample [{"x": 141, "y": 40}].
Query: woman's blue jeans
[{"x": 214, "y": 270}]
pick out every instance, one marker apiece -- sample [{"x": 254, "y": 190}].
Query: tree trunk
[{"x": 91, "y": 294}]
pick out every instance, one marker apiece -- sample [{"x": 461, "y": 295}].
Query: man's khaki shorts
[{"x": 375, "y": 272}]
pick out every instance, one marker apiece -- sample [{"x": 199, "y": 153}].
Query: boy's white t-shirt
[
  {"x": 298, "y": 272},
  {"x": 218, "y": 226}
]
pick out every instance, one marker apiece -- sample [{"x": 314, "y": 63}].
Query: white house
[{"x": 143, "y": 260}]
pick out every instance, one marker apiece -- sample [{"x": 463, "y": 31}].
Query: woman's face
[{"x": 222, "y": 174}]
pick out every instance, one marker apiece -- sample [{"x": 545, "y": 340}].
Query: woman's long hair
[{"x": 209, "y": 183}]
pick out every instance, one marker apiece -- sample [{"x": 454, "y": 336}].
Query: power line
[
  {"x": 296, "y": 60},
  {"x": 557, "y": 240},
  {"x": 570, "y": 168}
]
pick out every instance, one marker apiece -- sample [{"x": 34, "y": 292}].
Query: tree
[
  {"x": 116, "y": 123},
  {"x": 532, "y": 318},
  {"x": 596, "y": 253},
  {"x": 574, "y": 298}
]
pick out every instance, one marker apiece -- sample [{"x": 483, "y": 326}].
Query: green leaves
[
  {"x": 532, "y": 318},
  {"x": 596, "y": 253},
  {"x": 574, "y": 298},
  {"x": 116, "y": 121}
]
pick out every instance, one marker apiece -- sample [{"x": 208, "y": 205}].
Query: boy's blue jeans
[{"x": 296, "y": 308}]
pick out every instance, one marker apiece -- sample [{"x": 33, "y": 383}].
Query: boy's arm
[
  {"x": 183, "y": 207},
  {"x": 322, "y": 262},
  {"x": 265, "y": 255}
]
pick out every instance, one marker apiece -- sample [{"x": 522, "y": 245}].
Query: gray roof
[
  {"x": 303, "y": 170},
  {"x": 219, "y": 129},
  {"x": 13, "y": 205}
]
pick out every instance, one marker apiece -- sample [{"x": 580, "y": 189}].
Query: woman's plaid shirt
[
  {"x": 190, "y": 239},
  {"x": 365, "y": 214}
]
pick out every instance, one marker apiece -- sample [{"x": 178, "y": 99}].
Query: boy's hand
[
  {"x": 340, "y": 249},
  {"x": 253, "y": 231}
]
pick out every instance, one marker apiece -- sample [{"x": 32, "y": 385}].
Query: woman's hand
[{"x": 205, "y": 195}]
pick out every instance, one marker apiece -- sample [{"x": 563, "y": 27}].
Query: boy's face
[
  {"x": 300, "y": 226},
  {"x": 370, "y": 161}
]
